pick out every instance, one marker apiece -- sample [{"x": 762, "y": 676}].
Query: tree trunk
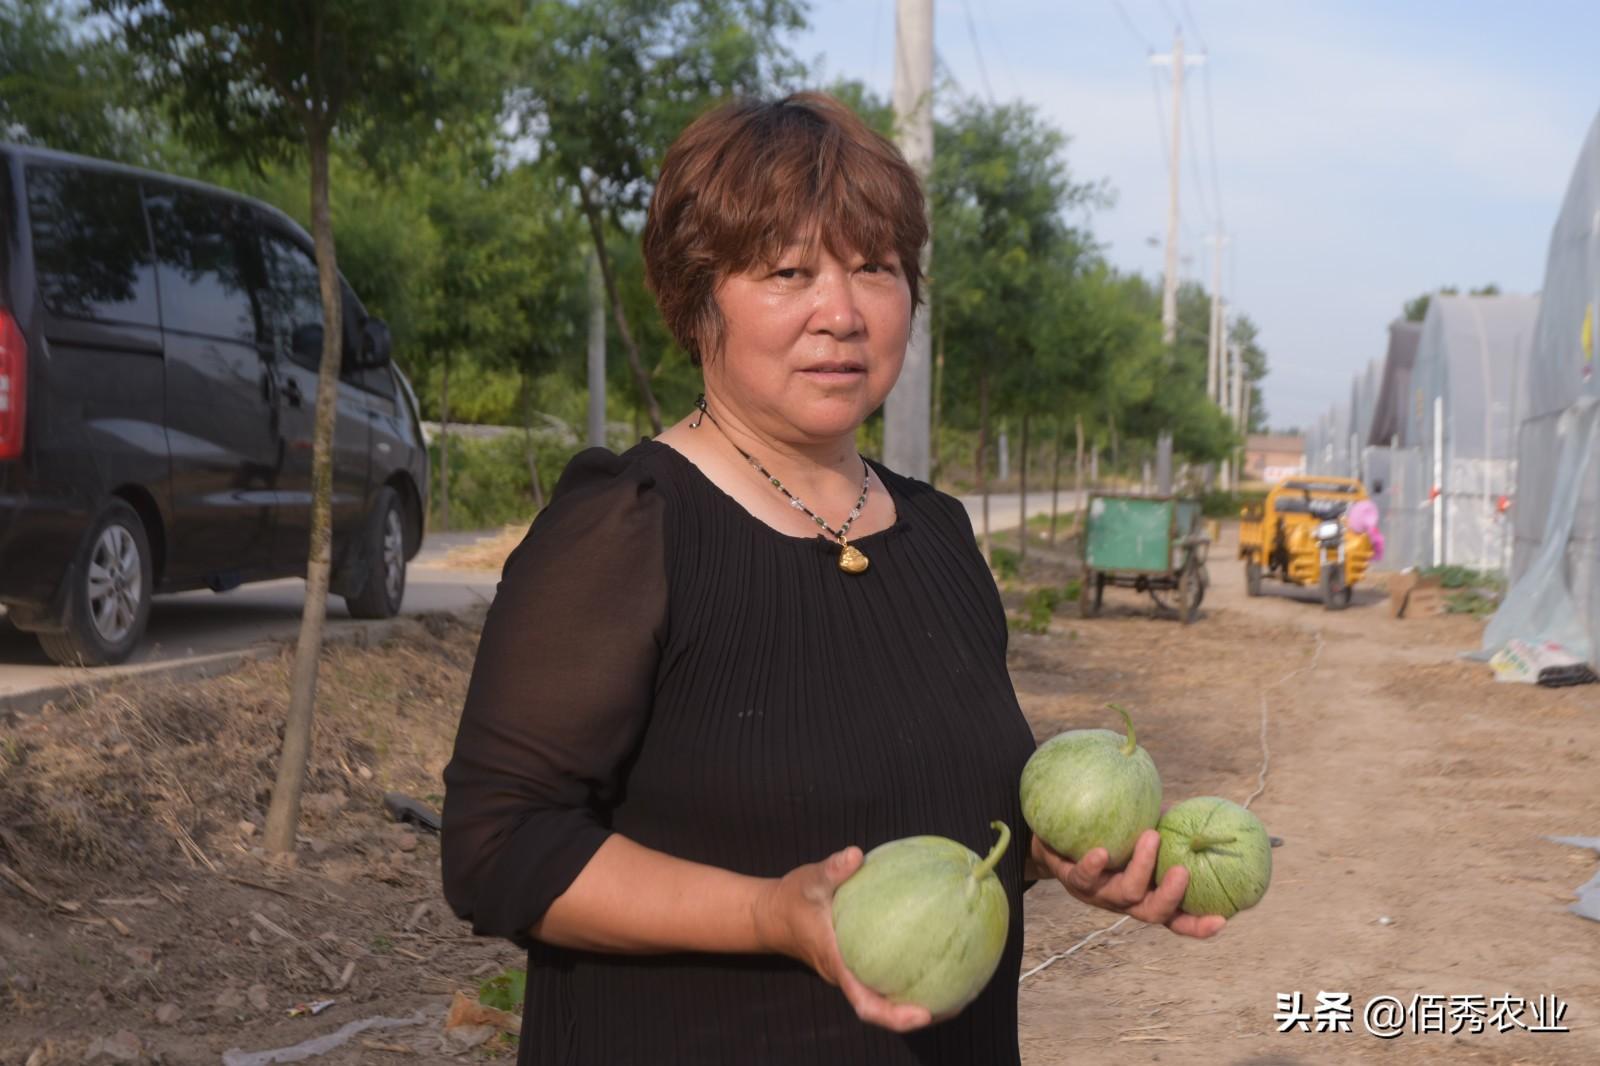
[
  {"x": 1077, "y": 488},
  {"x": 444, "y": 447},
  {"x": 1055, "y": 485},
  {"x": 532, "y": 450},
  {"x": 1116, "y": 452},
  {"x": 283, "y": 815},
  {"x": 983, "y": 457},
  {"x": 631, "y": 347},
  {"x": 938, "y": 390},
  {"x": 1022, "y": 494}
]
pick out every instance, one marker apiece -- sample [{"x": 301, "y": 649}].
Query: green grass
[
  {"x": 505, "y": 991},
  {"x": 1039, "y": 606}
]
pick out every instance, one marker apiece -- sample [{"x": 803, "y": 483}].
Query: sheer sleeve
[{"x": 560, "y": 693}]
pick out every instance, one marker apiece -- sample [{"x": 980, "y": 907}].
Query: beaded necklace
[{"x": 851, "y": 560}]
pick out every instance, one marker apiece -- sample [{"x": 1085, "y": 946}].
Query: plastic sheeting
[
  {"x": 1469, "y": 367},
  {"x": 1394, "y": 387},
  {"x": 1555, "y": 594}
]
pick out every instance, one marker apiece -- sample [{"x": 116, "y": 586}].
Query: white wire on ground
[
  {"x": 1052, "y": 960},
  {"x": 1266, "y": 755},
  {"x": 1261, "y": 786}
]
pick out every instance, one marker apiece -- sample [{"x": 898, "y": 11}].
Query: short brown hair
[{"x": 746, "y": 179}]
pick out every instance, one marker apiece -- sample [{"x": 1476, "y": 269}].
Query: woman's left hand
[{"x": 1129, "y": 890}]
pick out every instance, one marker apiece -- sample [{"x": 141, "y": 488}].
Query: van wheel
[
  {"x": 382, "y": 560},
  {"x": 108, "y": 603}
]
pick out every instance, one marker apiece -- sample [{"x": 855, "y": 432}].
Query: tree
[
  {"x": 65, "y": 87},
  {"x": 1000, "y": 189},
  {"x": 1416, "y": 308},
  {"x": 1242, "y": 333},
  {"x": 257, "y": 81},
  {"x": 608, "y": 84}
]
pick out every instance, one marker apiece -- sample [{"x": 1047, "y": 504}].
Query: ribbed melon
[
  {"x": 1090, "y": 788},
  {"x": 1224, "y": 847},
  {"x": 924, "y": 921}
]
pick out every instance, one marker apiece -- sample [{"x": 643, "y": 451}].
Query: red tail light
[{"x": 13, "y": 387}]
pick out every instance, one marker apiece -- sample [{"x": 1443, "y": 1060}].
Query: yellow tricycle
[{"x": 1300, "y": 535}]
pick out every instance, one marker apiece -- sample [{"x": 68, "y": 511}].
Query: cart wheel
[
  {"x": 1252, "y": 578},
  {"x": 1191, "y": 590},
  {"x": 1089, "y": 595},
  {"x": 1335, "y": 593}
]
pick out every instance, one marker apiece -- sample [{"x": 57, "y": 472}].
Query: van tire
[
  {"x": 108, "y": 600},
  {"x": 381, "y": 562}
]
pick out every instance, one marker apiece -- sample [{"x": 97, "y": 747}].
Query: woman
[{"x": 723, "y": 663}]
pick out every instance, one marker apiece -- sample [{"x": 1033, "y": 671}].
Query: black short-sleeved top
[{"x": 660, "y": 663}]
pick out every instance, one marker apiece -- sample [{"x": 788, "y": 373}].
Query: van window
[
  {"x": 205, "y": 249},
  {"x": 91, "y": 250},
  {"x": 293, "y": 300}
]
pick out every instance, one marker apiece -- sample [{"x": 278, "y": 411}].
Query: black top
[{"x": 660, "y": 663}]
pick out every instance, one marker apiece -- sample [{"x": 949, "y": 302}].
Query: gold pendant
[{"x": 851, "y": 561}]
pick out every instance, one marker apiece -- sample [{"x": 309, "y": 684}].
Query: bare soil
[
  {"x": 1405, "y": 784},
  {"x": 1413, "y": 795}
]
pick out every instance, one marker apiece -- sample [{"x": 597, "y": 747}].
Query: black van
[{"x": 159, "y": 345}]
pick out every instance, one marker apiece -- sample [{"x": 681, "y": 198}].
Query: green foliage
[
  {"x": 1039, "y": 606},
  {"x": 606, "y": 87},
  {"x": 1005, "y": 563},
  {"x": 260, "y": 81},
  {"x": 1220, "y": 504},
  {"x": 505, "y": 991},
  {"x": 68, "y": 88},
  {"x": 1463, "y": 577},
  {"x": 1416, "y": 308},
  {"x": 489, "y": 479}
]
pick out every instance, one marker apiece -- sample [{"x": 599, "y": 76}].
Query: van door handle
[{"x": 291, "y": 392}]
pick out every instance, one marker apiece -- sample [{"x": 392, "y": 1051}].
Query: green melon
[
  {"x": 1090, "y": 788},
  {"x": 1224, "y": 847},
  {"x": 924, "y": 921}
]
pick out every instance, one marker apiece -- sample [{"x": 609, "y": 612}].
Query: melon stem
[
  {"x": 1202, "y": 842},
  {"x": 995, "y": 852},
  {"x": 1130, "y": 745}
]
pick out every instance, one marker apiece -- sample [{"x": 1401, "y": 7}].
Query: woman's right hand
[{"x": 794, "y": 917}]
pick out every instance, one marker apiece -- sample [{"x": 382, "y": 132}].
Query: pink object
[{"x": 1363, "y": 517}]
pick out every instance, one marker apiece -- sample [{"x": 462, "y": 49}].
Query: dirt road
[
  {"x": 1413, "y": 795},
  {"x": 1406, "y": 786}
]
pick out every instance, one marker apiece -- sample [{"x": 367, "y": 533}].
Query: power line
[
  {"x": 1194, "y": 167},
  {"x": 1144, "y": 42},
  {"x": 977, "y": 50},
  {"x": 1195, "y": 26},
  {"x": 1161, "y": 122},
  {"x": 1171, "y": 14},
  {"x": 1211, "y": 142}
]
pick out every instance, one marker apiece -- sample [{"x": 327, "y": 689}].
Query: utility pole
[
  {"x": 908, "y": 412},
  {"x": 1216, "y": 375},
  {"x": 1169, "y": 296},
  {"x": 597, "y": 354}
]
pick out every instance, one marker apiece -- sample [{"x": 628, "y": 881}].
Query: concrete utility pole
[
  {"x": 597, "y": 354},
  {"x": 1216, "y": 375},
  {"x": 908, "y": 412},
  {"x": 1169, "y": 296}
]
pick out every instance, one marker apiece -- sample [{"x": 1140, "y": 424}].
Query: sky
[{"x": 1364, "y": 152}]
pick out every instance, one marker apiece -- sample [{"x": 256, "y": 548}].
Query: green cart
[{"x": 1154, "y": 544}]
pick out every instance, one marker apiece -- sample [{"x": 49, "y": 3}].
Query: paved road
[
  {"x": 1004, "y": 510},
  {"x": 199, "y": 627}
]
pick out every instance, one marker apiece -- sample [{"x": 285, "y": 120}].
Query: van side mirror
[{"x": 376, "y": 344}]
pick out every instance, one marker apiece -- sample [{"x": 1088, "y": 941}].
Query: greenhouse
[
  {"x": 1555, "y": 560},
  {"x": 1461, "y": 421}
]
